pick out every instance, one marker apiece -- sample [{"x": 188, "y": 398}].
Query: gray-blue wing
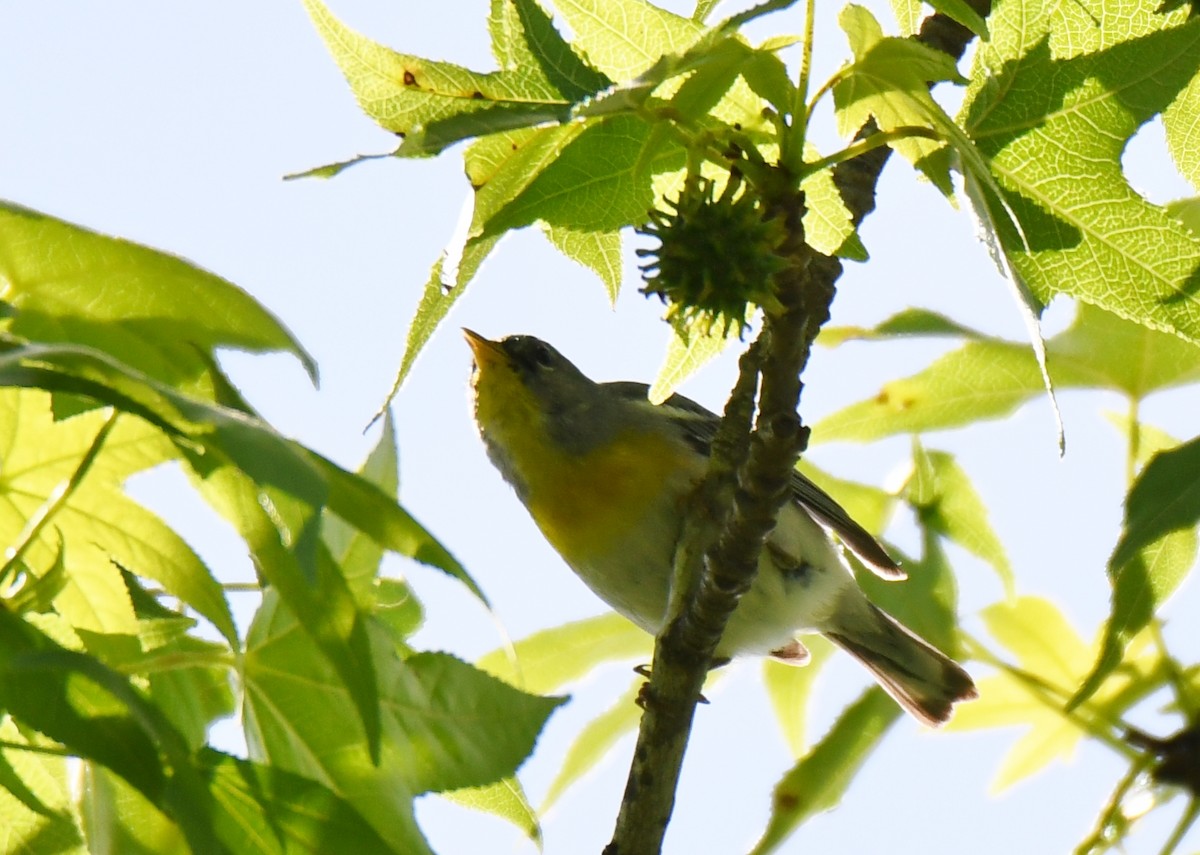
[{"x": 699, "y": 426}]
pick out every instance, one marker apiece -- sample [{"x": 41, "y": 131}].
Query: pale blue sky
[{"x": 172, "y": 124}]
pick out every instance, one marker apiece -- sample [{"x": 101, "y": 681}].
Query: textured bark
[{"x": 716, "y": 571}]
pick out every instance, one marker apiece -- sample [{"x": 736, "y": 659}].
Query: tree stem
[{"x": 728, "y": 562}]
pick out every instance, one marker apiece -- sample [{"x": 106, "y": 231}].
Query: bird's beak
[{"x": 487, "y": 352}]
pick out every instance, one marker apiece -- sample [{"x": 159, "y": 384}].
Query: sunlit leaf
[
  {"x": 889, "y": 82},
  {"x": 252, "y": 445},
  {"x": 946, "y": 501},
  {"x": 790, "y": 691},
  {"x": 36, "y": 811},
  {"x": 685, "y": 357},
  {"x": 599, "y": 251},
  {"x": 433, "y": 104},
  {"x": 99, "y": 524},
  {"x": 548, "y": 660},
  {"x": 1050, "y": 660},
  {"x": 153, "y": 311},
  {"x": 264, "y": 810},
  {"x": 354, "y": 551},
  {"x": 505, "y": 799},
  {"x": 1156, "y": 552},
  {"x": 987, "y": 378},
  {"x": 623, "y": 38},
  {"x": 297, "y": 714},
  {"x": 1052, "y": 109},
  {"x": 120, "y": 819},
  {"x": 817, "y": 782}
]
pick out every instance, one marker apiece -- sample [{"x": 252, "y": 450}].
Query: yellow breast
[
  {"x": 587, "y": 505},
  {"x": 585, "y": 502}
]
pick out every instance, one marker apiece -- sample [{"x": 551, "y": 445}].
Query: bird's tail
[{"x": 922, "y": 679}]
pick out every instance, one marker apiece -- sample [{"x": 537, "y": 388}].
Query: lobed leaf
[
  {"x": 148, "y": 309},
  {"x": 433, "y": 104},
  {"x": 1054, "y": 98},
  {"x": 295, "y": 706}
]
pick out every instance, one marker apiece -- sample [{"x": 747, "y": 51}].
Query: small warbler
[{"x": 606, "y": 476}]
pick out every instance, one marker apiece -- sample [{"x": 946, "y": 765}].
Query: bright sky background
[{"x": 171, "y": 124}]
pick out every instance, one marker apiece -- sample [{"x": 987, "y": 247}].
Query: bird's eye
[{"x": 542, "y": 356}]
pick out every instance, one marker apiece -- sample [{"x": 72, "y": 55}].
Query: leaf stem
[
  {"x": 52, "y": 750},
  {"x": 795, "y": 136},
  {"x": 874, "y": 141},
  {"x": 1109, "y": 816},
  {"x": 1135, "y": 441},
  {"x": 54, "y": 502},
  {"x": 1181, "y": 828}
]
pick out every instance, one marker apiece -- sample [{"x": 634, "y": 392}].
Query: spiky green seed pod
[{"x": 715, "y": 257}]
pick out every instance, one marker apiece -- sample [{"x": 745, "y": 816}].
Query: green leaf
[
  {"x": 1051, "y": 106},
  {"x": 1141, "y": 586},
  {"x": 599, "y": 251},
  {"x": 1187, "y": 211},
  {"x": 354, "y": 551},
  {"x": 433, "y": 104},
  {"x": 988, "y": 378},
  {"x": 790, "y": 689},
  {"x": 1156, "y": 553},
  {"x": 828, "y": 225},
  {"x": 818, "y": 781},
  {"x": 188, "y": 679},
  {"x": 889, "y": 82},
  {"x": 1051, "y": 660},
  {"x": 120, "y": 819},
  {"x": 447, "y": 282},
  {"x": 684, "y": 357},
  {"x": 548, "y": 660},
  {"x": 97, "y": 714},
  {"x": 264, "y": 809},
  {"x": 908, "y": 16},
  {"x": 594, "y": 742},
  {"x": 1179, "y": 122},
  {"x": 981, "y": 380},
  {"x": 287, "y": 553},
  {"x": 600, "y": 181},
  {"x": 36, "y": 810},
  {"x": 904, "y": 324},
  {"x": 505, "y": 799},
  {"x": 1128, "y": 357},
  {"x": 524, "y": 39},
  {"x": 445, "y": 725},
  {"x": 98, "y": 523},
  {"x": 253, "y": 446},
  {"x": 1164, "y": 498},
  {"x": 153, "y": 311},
  {"x": 397, "y": 608},
  {"x": 945, "y": 501},
  {"x": 623, "y": 38}
]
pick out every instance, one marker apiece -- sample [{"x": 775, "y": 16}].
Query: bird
[{"x": 606, "y": 477}]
